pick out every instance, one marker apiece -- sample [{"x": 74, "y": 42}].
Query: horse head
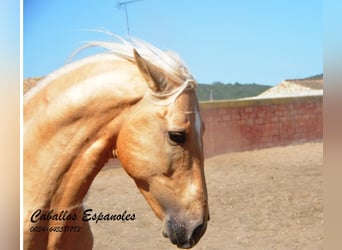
[{"x": 160, "y": 147}]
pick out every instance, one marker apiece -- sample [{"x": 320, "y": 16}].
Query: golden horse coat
[{"x": 137, "y": 103}]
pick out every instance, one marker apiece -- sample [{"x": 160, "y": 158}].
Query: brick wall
[{"x": 251, "y": 124}]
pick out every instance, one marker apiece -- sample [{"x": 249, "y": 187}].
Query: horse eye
[{"x": 178, "y": 137}]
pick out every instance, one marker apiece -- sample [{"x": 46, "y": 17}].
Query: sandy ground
[{"x": 264, "y": 199}]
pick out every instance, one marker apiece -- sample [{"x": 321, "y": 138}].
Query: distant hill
[
  {"x": 221, "y": 91},
  {"x": 314, "y": 77}
]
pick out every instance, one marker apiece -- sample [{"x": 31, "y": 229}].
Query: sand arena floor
[{"x": 263, "y": 199}]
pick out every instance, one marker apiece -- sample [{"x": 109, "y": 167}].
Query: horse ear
[{"x": 153, "y": 75}]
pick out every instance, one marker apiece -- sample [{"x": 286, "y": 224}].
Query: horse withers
[{"x": 137, "y": 103}]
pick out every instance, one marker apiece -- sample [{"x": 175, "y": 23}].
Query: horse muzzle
[{"x": 184, "y": 234}]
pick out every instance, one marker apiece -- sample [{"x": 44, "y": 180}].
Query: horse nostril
[
  {"x": 181, "y": 235},
  {"x": 197, "y": 233}
]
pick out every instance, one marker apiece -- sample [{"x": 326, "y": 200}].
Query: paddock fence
[{"x": 248, "y": 124}]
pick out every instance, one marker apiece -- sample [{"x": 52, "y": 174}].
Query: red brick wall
[{"x": 251, "y": 124}]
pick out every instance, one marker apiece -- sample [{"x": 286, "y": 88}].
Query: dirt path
[{"x": 265, "y": 199}]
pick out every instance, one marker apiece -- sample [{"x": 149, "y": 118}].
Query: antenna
[{"x": 124, "y": 4}]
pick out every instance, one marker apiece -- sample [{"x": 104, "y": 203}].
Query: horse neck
[{"x": 71, "y": 129}]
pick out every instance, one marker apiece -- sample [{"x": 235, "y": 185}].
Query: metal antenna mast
[{"x": 126, "y": 13}]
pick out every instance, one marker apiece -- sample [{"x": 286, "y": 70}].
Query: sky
[{"x": 243, "y": 41}]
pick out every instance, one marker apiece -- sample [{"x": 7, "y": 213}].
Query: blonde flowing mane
[{"x": 167, "y": 61}]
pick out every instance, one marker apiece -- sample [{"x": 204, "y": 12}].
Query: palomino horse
[{"x": 136, "y": 103}]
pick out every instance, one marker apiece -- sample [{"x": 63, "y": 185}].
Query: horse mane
[{"x": 167, "y": 61}]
